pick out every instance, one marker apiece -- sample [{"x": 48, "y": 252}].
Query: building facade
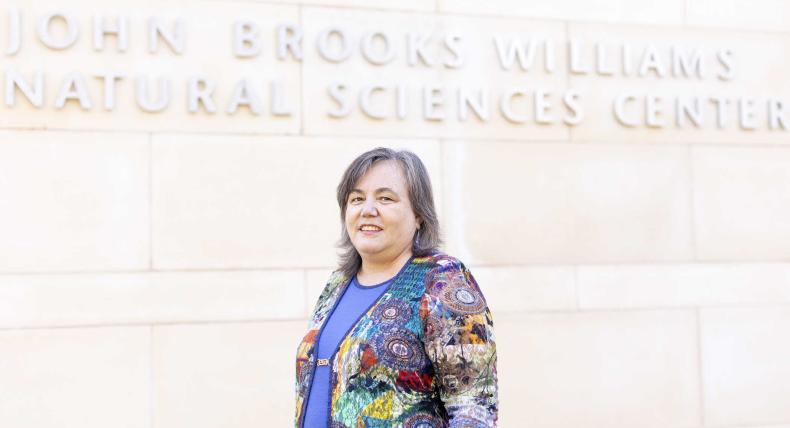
[{"x": 615, "y": 174}]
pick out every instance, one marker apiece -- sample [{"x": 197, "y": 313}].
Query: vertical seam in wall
[
  {"x": 576, "y": 287},
  {"x": 700, "y": 377},
  {"x": 151, "y": 391},
  {"x": 685, "y": 12},
  {"x": 445, "y": 168},
  {"x": 440, "y": 196},
  {"x": 567, "y": 26},
  {"x": 150, "y": 201},
  {"x": 692, "y": 204},
  {"x": 306, "y": 288},
  {"x": 301, "y": 76},
  {"x": 442, "y": 188}
]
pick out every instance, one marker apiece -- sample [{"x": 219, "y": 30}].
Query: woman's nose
[{"x": 369, "y": 209}]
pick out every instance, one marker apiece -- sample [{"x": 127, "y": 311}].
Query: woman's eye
[
  {"x": 386, "y": 198},
  {"x": 356, "y": 198}
]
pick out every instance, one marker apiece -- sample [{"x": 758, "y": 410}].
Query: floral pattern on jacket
[{"x": 423, "y": 355}]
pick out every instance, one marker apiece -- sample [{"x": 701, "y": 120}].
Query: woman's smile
[{"x": 370, "y": 229}]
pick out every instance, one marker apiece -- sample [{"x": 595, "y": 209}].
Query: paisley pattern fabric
[{"x": 423, "y": 356}]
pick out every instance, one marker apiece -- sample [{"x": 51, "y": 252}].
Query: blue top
[{"x": 354, "y": 303}]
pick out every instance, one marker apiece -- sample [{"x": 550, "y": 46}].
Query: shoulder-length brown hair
[{"x": 426, "y": 240}]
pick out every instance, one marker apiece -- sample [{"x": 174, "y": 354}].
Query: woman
[{"x": 401, "y": 335}]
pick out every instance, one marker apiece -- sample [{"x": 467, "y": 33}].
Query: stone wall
[{"x": 157, "y": 263}]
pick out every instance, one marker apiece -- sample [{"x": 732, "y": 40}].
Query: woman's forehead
[{"x": 383, "y": 174}]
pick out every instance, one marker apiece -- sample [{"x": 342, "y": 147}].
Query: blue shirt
[{"x": 354, "y": 303}]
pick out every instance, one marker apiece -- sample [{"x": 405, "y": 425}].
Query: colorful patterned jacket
[{"x": 423, "y": 355}]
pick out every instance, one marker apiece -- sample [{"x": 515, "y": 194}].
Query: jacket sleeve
[{"x": 459, "y": 340}]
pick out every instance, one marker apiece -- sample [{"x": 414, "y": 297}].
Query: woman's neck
[{"x": 377, "y": 271}]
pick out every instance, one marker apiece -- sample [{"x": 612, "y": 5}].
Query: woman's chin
[{"x": 369, "y": 250}]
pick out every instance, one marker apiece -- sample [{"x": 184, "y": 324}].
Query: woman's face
[{"x": 379, "y": 217}]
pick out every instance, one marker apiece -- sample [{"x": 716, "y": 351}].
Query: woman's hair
[{"x": 426, "y": 239}]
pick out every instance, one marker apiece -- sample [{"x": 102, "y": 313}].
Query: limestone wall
[{"x": 621, "y": 192}]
